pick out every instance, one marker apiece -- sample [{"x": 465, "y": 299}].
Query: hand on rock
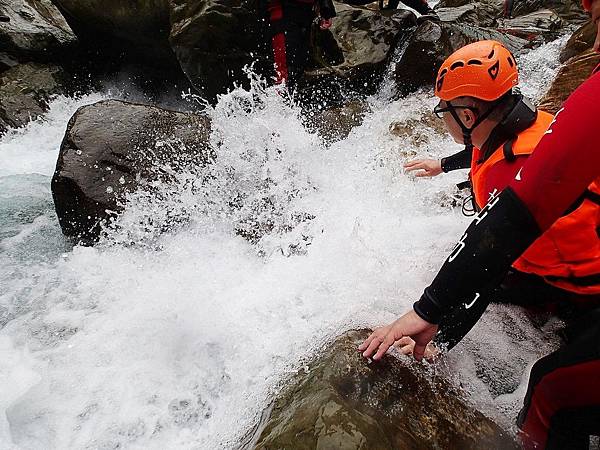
[
  {"x": 409, "y": 325},
  {"x": 426, "y": 167},
  {"x": 325, "y": 24},
  {"x": 406, "y": 346}
]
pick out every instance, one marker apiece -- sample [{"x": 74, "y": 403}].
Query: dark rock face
[
  {"x": 111, "y": 148},
  {"x": 25, "y": 90},
  {"x": 138, "y": 26},
  {"x": 432, "y": 43},
  {"x": 214, "y": 39},
  {"x": 33, "y": 29},
  {"x": 343, "y": 402}
]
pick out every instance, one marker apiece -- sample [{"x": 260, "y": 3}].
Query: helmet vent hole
[
  {"x": 444, "y": 72},
  {"x": 492, "y": 53},
  {"x": 474, "y": 62},
  {"x": 456, "y": 65},
  {"x": 511, "y": 62}
]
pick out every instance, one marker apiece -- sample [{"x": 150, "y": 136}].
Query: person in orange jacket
[
  {"x": 562, "y": 405},
  {"x": 560, "y": 272}
]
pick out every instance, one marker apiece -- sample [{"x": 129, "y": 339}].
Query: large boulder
[
  {"x": 25, "y": 91},
  {"x": 33, "y": 29},
  {"x": 111, "y": 148},
  {"x": 432, "y": 43},
  {"x": 340, "y": 401}
]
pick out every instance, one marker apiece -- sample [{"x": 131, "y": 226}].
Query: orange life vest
[{"x": 567, "y": 255}]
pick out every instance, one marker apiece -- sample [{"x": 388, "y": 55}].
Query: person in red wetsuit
[
  {"x": 562, "y": 405},
  {"x": 289, "y": 27}
]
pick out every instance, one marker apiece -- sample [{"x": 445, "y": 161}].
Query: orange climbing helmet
[
  {"x": 587, "y": 4},
  {"x": 485, "y": 70}
]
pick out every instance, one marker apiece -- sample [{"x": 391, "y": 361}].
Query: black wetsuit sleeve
[
  {"x": 326, "y": 9},
  {"x": 500, "y": 233},
  {"x": 456, "y": 324},
  {"x": 460, "y": 160}
]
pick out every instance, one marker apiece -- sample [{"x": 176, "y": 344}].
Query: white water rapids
[{"x": 180, "y": 340}]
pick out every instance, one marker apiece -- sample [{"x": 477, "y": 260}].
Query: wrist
[
  {"x": 428, "y": 309},
  {"x": 443, "y": 165}
]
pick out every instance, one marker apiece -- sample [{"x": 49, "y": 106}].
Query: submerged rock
[
  {"x": 336, "y": 123},
  {"x": 25, "y": 90},
  {"x": 111, "y": 148},
  {"x": 341, "y": 401},
  {"x": 33, "y": 29}
]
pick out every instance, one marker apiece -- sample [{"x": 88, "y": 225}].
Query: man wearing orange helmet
[
  {"x": 500, "y": 129},
  {"x": 562, "y": 405}
]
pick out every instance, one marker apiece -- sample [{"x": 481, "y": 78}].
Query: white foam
[{"x": 178, "y": 338}]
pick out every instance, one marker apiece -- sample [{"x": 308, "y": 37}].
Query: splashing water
[{"x": 178, "y": 339}]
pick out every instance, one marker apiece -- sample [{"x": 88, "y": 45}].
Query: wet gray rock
[
  {"x": 25, "y": 90},
  {"x": 483, "y": 13},
  {"x": 543, "y": 23},
  {"x": 111, "y": 148},
  {"x": 342, "y": 402},
  {"x": 490, "y": 11},
  {"x": 432, "y": 43},
  {"x": 568, "y": 10},
  {"x": 361, "y": 44},
  {"x": 33, "y": 29}
]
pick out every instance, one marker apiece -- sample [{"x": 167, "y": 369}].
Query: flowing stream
[{"x": 178, "y": 339}]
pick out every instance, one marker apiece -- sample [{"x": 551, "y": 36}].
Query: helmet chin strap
[{"x": 467, "y": 132}]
